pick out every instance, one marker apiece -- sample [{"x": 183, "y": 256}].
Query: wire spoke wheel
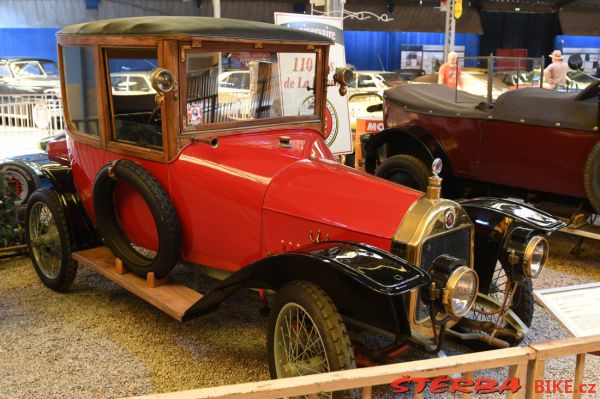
[
  {"x": 45, "y": 240},
  {"x": 306, "y": 335},
  {"x": 49, "y": 240},
  {"x": 498, "y": 288},
  {"x": 299, "y": 348},
  {"x": 522, "y": 304}
]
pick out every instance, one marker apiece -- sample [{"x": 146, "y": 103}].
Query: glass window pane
[
  {"x": 80, "y": 83},
  {"x": 245, "y": 86},
  {"x": 137, "y": 117},
  {"x": 50, "y": 68}
]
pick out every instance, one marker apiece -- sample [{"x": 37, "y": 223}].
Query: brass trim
[
  {"x": 450, "y": 287},
  {"x": 528, "y": 253},
  {"x": 425, "y": 220}
]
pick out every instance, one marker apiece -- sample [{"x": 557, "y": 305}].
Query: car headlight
[
  {"x": 461, "y": 291},
  {"x": 535, "y": 256},
  {"x": 458, "y": 283}
]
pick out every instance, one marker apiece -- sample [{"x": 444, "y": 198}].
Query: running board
[{"x": 173, "y": 298}]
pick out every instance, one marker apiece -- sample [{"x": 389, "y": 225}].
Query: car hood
[{"x": 326, "y": 192}]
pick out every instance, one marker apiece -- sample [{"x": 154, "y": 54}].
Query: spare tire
[
  {"x": 162, "y": 210},
  {"x": 591, "y": 177}
]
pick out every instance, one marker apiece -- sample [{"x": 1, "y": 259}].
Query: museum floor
[{"x": 99, "y": 341}]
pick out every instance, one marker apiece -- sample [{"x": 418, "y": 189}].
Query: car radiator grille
[{"x": 456, "y": 243}]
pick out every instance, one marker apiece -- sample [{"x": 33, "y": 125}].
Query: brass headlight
[
  {"x": 460, "y": 285},
  {"x": 535, "y": 256},
  {"x": 461, "y": 291}
]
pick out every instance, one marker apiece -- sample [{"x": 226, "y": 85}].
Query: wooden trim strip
[{"x": 357, "y": 378}]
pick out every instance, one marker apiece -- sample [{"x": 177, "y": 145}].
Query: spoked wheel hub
[
  {"x": 45, "y": 240},
  {"x": 299, "y": 347}
]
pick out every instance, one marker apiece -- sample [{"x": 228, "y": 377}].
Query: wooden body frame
[{"x": 171, "y": 55}]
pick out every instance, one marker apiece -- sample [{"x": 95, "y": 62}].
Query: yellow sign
[{"x": 457, "y": 9}]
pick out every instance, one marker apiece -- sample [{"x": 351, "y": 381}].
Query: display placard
[
  {"x": 576, "y": 307},
  {"x": 337, "y": 114}
]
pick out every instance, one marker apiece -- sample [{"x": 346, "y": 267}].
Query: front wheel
[
  {"x": 522, "y": 304},
  {"x": 306, "y": 335},
  {"x": 48, "y": 239},
  {"x": 406, "y": 170}
]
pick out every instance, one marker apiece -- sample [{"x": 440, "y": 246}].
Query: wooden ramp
[{"x": 172, "y": 298}]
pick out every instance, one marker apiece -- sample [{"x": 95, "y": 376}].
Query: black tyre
[
  {"x": 406, "y": 170},
  {"x": 523, "y": 304},
  {"x": 591, "y": 177},
  {"x": 306, "y": 335},
  {"x": 22, "y": 180},
  {"x": 139, "y": 260},
  {"x": 49, "y": 241}
]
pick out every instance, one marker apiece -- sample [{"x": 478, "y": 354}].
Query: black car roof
[{"x": 193, "y": 26}]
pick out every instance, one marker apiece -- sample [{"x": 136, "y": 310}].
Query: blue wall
[
  {"x": 362, "y": 47},
  {"x": 22, "y": 42},
  {"x": 576, "y": 41}
]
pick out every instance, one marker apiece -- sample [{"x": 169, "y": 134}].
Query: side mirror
[
  {"x": 162, "y": 80},
  {"x": 575, "y": 62},
  {"x": 343, "y": 77}
]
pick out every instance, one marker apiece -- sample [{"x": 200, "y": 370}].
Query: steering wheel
[{"x": 154, "y": 116}]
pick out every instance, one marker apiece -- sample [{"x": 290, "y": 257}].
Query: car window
[
  {"x": 4, "y": 72},
  {"x": 30, "y": 68},
  {"x": 80, "y": 88},
  {"x": 136, "y": 116},
  {"x": 50, "y": 68},
  {"x": 247, "y": 86}
]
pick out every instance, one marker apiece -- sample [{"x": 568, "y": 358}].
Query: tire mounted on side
[{"x": 160, "y": 206}]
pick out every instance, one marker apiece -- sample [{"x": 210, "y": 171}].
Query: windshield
[
  {"x": 226, "y": 87},
  {"x": 27, "y": 68}
]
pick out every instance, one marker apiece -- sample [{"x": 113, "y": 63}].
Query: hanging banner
[
  {"x": 337, "y": 114},
  {"x": 458, "y": 9},
  {"x": 443, "y": 5}
]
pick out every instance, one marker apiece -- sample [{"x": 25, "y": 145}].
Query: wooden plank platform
[{"x": 175, "y": 299}]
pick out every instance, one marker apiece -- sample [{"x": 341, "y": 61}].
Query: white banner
[{"x": 299, "y": 69}]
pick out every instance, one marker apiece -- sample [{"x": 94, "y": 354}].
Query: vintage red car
[
  {"x": 245, "y": 190},
  {"x": 537, "y": 144}
]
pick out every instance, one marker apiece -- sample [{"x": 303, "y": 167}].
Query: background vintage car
[
  {"x": 28, "y": 75},
  {"x": 513, "y": 147}
]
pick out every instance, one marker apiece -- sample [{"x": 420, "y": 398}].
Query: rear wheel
[
  {"x": 406, "y": 170},
  {"x": 591, "y": 177},
  {"x": 306, "y": 335},
  {"x": 22, "y": 180},
  {"x": 48, "y": 240}
]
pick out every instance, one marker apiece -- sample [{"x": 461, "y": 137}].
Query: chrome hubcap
[
  {"x": 44, "y": 239},
  {"x": 299, "y": 348}
]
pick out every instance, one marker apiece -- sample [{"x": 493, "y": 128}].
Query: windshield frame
[{"x": 314, "y": 121}]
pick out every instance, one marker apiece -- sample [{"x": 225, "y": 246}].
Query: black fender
[
  {"x": 411, "y": 140},
  {"x": 496, "y": 220},
  {"x": 365, "y": 283},
  {"x": 81, "y": 229}
]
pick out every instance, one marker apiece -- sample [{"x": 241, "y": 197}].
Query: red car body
[
  {"x": 249, "y": 193},
  {"x": 271, "y": 196}
]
